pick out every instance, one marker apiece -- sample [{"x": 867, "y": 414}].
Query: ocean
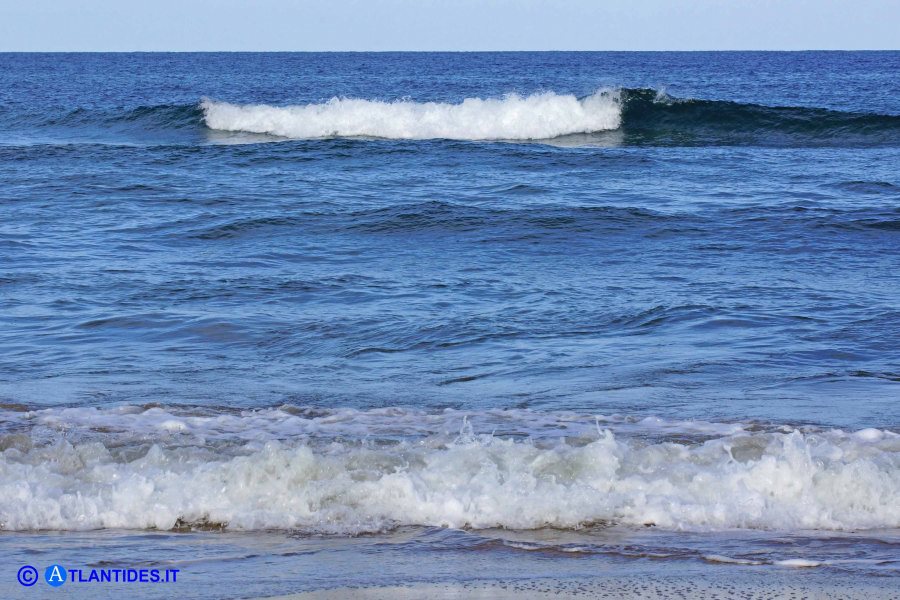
[{"x": 295, "y": 321}]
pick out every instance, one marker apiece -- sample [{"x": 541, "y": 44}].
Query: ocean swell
[
  {"x": 609, "y": 117},
  {"x": 638, "y": 116},
  {"x": 654, "y": 118}
]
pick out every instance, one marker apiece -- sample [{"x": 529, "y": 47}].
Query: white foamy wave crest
[
  {"x": 828, "y": 480},
  {"x": 123, "y": 424},
  {"x": 513, "y": 117}
]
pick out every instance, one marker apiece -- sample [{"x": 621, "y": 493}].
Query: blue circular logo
[
  {"x": 27, "y": 575},
  {"x": 55, "y": 575}
]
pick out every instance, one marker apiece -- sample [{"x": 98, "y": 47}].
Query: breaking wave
[
  {"x": 610, "y": 117},
  {"x": 316, "y": 471},
  {"x": 513, "y": 117},
  {"x": 640, "y": 116}
]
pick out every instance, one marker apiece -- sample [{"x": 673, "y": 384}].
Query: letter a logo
[{"x": 55, "y": 575}]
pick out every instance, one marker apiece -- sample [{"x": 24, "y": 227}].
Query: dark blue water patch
[
  {"x": 649, "y": 118},
  {"x": 868, "y": 187}
]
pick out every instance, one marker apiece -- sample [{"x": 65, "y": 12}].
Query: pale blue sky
[{"x": 31, "y": 25}]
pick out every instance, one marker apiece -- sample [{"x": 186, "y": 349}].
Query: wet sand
[{"x": 619, "y": 588}]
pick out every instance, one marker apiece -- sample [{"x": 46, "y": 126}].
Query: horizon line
[{"x": 433, "y": 51}]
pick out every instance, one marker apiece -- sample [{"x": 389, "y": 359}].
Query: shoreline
[{"x": 723, "y": 587}]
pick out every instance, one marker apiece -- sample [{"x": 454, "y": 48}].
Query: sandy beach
[{"x": 741, "y": 588}]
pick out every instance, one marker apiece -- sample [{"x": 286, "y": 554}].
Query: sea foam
[
  {"x": 513, "y": 117},
  {"x": 163, "y": 477}
]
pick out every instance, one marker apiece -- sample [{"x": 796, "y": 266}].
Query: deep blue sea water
[{"x": 648, "y": 300}]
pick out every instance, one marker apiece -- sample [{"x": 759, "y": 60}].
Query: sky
[{"x": 311, "y": 25}]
